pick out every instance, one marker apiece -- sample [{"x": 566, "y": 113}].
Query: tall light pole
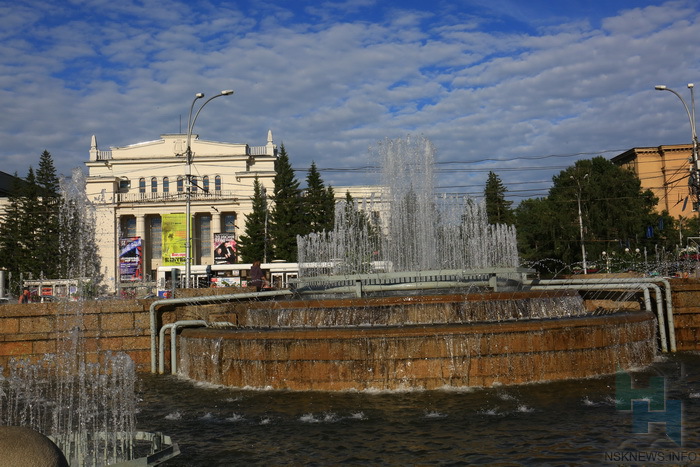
[
  {"x": 694, "y": 178},
  {"x": 188, "y": 178},
  {"x": 580, "y": 223}
]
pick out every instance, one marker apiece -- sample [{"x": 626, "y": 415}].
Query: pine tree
[
  {"x": 329, "y": 202},
  {"x": 318, "y": 211},
  {"x": 253, "y": 245},
  {"x": 48, "y": 204},
  {"x": 20, "y": 236},
  {"x": 10, "y": 233},
  {"x": 78, "y": 241},
  {"x": 498, "y": 209},
  {"x": 359, "y": 221},
  {"x": 286, "y": 217},
  {"x": 30, "y": 240}
]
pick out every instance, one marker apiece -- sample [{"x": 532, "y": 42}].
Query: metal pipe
[
  {"x": 353, "y": 289},
  {"x": 671, "y": 329},
  {"x": 199, "y": 301},
  {"x": 581, "y": 285},
  {"x": 173, "y": 333}
]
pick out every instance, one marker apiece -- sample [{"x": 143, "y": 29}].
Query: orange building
[{"x": 664, "y": 170}]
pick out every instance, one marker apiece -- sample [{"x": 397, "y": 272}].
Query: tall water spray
[
  {"x": 84, "y": 401},
  {"x": 419, "y": 231}
]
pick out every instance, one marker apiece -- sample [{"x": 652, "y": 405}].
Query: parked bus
[
  {"x": 223, "y": 275},
  {"x": 48, "y": 290}
]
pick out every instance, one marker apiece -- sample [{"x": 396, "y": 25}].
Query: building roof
[{"x": 7, "y": 182}]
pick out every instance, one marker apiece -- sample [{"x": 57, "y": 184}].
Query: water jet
[{"x": 452, "y": 307}]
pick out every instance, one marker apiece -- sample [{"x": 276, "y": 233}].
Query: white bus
[
  {"x": 48, "y": 290},
  {"x": 224, "y": 275}
]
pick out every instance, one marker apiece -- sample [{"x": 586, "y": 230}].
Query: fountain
[
  {"x": 86, "y": 405},
  {"x": 434, "y": 298}
]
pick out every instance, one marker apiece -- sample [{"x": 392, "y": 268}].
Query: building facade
[
  {"x": 664, "y": 170},
  {"x": 140, "y": 197}
]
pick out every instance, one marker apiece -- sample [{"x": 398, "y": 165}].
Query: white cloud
[{"x": 330, "y": 87}]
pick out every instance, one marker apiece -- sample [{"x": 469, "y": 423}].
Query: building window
[
  {"x": 155, "y": 234},
  {"x": 142, "y": 185},
  {"x": 229, "y": 221},
  {"x": 205, "y": 235},
  {"x": 166, "y": 184},
  {"x": 124, "y": 185},
  {"x": 154, "y": 185},
  {"x": 205, "y": 184},
  {"x": 217, "y": 183},
  {"x": 128, "y": 226},
  {"x": 180, "y": 184},
  {"x": 193, "y": 181}
]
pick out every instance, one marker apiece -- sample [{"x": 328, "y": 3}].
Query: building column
[
  {"x": 215, "y": 227},
  {"x": 141, "y": 232}
]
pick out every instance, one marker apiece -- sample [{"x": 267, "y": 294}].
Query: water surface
[{"x": 561, "y": 423}]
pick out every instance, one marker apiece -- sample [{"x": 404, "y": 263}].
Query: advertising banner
[
  {"x": 174, "y": 231},
  {"x": 224, "y": 248},
  {"x": 130, "y": 259}
]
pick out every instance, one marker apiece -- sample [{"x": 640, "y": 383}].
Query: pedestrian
[
  {"x": 257, "y": 277},
  {"x": 26, "y": 296}
]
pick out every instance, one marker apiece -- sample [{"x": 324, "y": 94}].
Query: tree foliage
[
  {"x": 253, "y": 244},
  {"x": 318, "y": 204},
  {"x": 286, "y": 215},
  {"x": 30, "y": 232},
  {"x": 498, "y": 208},
  {"x": 614, "y": 212},
  {"x": 48, "y": 205}
]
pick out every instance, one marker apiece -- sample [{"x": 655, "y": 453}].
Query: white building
[{"x": 140, "y": 196}]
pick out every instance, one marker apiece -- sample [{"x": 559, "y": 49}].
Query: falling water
[
  {"x": 423, "y": 231},
  {"x": 87, "y": 407}
]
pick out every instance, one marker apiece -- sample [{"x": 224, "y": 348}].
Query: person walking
[
  {"x": 26, "y": 296},
  {"x": 257, "y": 277}
]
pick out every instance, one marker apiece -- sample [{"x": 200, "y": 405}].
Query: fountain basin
[{"x": 427, "y": 355}]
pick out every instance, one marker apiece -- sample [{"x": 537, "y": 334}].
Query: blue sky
[{"x": 520, "y": 88}]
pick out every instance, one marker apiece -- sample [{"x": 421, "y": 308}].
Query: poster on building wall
[
  {"x": 174, "y": 239},
  {"x": 130, "y": 259},
  {"x": 224, "y": 248}
]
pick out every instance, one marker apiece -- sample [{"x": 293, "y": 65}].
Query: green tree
[
  {"x": 11, "y": 245},
  {"x": 318, "y": 203},
  {"x": 615, "y": 213},
  {"x": 498, "y": 209},
  {"x": 48, "y": 204},
  {"x": 359, "y": 223},
  {"x": 30, "y": 241},
  {"x": 253, "y": 244},
  {"x": 537, "y": 234},
  {"x": 78, "y": 241},
  {"x": 286, "y": 215},
  {"x": 21, "y": 233}
]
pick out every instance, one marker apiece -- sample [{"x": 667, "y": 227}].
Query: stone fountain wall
[
  {"x": 31, "y": 331},
  {"x": 423, "y": 342},
  {"x": 425, "y": 357}
]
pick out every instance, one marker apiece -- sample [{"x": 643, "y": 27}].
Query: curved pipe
[
  {"x": 198, "y": 301},
  {"x": 628, "y": 280},
  {"x": 173, "y": 347},
  {"x": 581, "y": 284}
]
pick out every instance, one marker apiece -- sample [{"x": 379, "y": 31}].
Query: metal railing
[{"x": 150, "y": 197}]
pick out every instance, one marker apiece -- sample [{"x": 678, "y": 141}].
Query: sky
[{"x": 520, "y": 88}]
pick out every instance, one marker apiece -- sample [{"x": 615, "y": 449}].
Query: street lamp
[
  {"x": 580, "y": 222},
  {"x": 694, "y": 179},
  {"x": 188, "y": 177}
]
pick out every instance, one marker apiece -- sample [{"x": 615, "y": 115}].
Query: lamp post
[
  {"x": 694, "y": 179},
  {"x": 580, "y": 222},
  {"x": 188, "y": 178}
]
